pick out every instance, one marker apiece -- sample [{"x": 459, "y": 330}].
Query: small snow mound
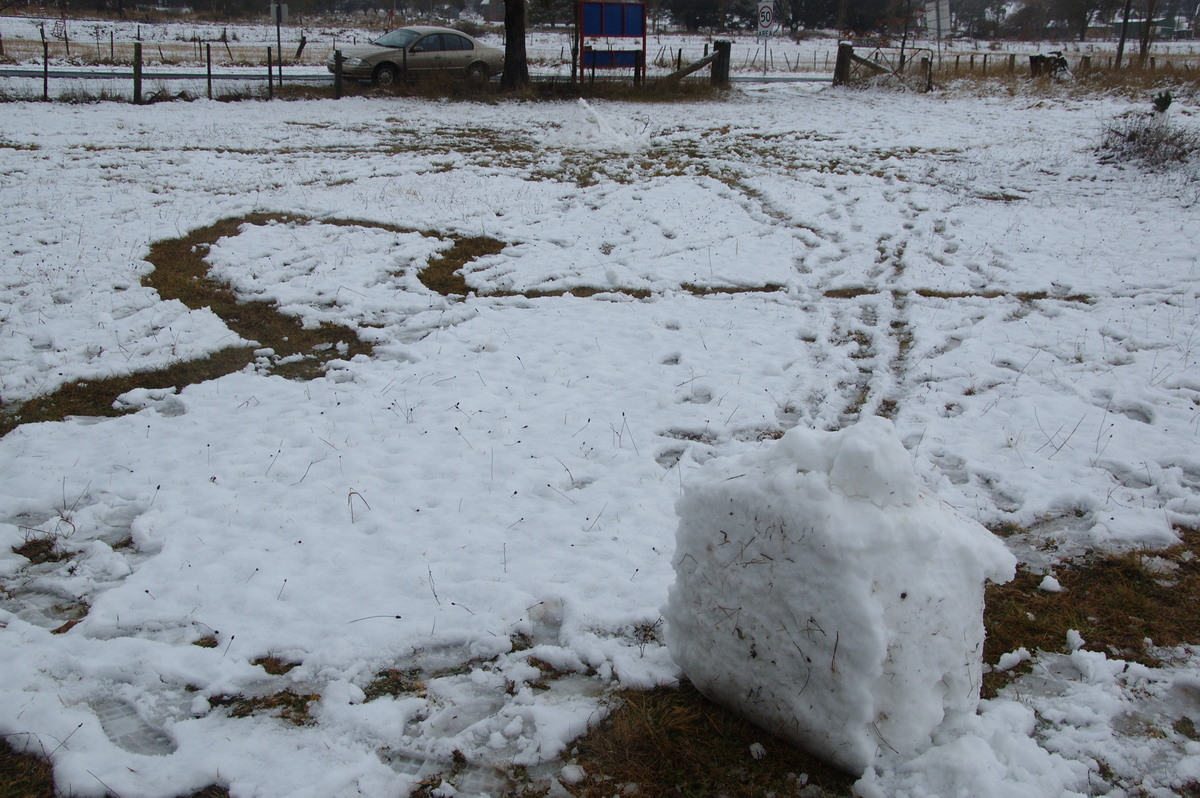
[
  {"x": 593, "y": 130},
  {"x": 1050, "y": 585},
  {"x": 820, "y": 594},
  {"x": 1012, "y": 659},
  {"x": 572, "y": 774}
]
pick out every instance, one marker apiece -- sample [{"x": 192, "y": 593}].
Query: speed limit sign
[{"x": 766, "y": 18}]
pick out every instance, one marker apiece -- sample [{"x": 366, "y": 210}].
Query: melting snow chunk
[{"x": 823, "y": 596}]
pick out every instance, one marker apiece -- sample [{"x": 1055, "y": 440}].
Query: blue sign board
[
  {"x": 605, "y": 19},
  {"x": 600, "y": 23}
]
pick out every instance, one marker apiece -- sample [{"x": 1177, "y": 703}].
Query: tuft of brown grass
[
  {"x": 41, "y": 549},
  {"x": 394, "y": 682},
  {"x": 676, "y": 742},
  {"x": 285, "y": 705},
  {"x": 274, "y": 665},
  {"x": 24, "y": 775},
  {"x": 1115, "y": 601}
]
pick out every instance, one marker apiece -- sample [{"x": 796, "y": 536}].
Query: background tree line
[{"x": 1018, "y": 19}]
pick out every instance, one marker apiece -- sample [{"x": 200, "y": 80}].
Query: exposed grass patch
[
  {"x": 95, "y": 397},
  {"x": 676, "y": 742},
  {"x": 274, "y": 665},
  {"x": 24, "y": 775},
  {"x": 1114, "y": 601},
  {"x": 394, "y": 682},
  {"x": 285, "y": 705},
  {"x": 181, "y": 273},
  {"x": 442, "y": 274},
  {"x": 696, "y": 290},
  {"x": 849, "y": 292},
  {"x": 5, "y": 144},
  {"x": 39, "y": 549}
]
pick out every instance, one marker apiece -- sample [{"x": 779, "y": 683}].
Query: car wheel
[
  {"x": 386, "y": 75},
  {"x": 477, "y": 74}
]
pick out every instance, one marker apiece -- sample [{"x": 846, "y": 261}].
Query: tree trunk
[
  {"x": 516, "y": 64},
  {"x": 1124, "y": 32},
  {"x": 1147, "y": 31}
]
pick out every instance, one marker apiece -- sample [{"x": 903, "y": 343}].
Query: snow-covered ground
[{"x": 491, "y": 493}]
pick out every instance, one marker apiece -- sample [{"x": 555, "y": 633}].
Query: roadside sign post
[
  {"x": 279, "y": 15},
  {"x": 766, "y": 24}
]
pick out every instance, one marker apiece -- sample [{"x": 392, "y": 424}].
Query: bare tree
[
  {"x": 1124, "y": 31},
  {"x": 1151, "y": 8}
]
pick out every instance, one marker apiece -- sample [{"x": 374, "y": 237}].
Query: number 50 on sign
[{"x": 766, "y": 18}]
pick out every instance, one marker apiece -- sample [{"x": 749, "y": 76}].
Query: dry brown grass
[
  {"x": 676, "y": 742},
  {"x": 24, "y": 775},
  {"x": 442, "y": 274},
  {"x": 1114, "y": 601},
  {"x": 274, "y": 665},
  {"x": 286, "y": 705},
  {"x": 395, "y": 682},
  {"x": 40, "y": 549}
]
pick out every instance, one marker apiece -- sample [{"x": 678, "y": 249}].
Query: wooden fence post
[
  {"x": 1012, "y": 63},
  {"x": 137, "y": 73},
  {"x": 985, "y": 55},
  {"x": 208, "y": 60},
  {"x": 1085, "y": 64},
  {"x": 841, "y": 67},
  {"x": 971, "y": 66},
  {"x": 45, "y": 70},
  {"x": 337, "y": 74},
  {"x": 720, "y": 64}
]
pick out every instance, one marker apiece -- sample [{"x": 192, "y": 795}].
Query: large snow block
[{"x": 822, "y": 595}]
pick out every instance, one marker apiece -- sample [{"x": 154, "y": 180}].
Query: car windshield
[{"x": 401, "y": 37}]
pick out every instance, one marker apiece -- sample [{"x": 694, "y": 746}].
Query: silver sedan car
[{"x": 420, "y": 50}]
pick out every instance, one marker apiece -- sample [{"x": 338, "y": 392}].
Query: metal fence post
[{"x": 137, "y": 73}]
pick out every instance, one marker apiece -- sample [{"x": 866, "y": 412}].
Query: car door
[
  {"x": 459, "y": 52},
  {"x": 427, "y": 54}
]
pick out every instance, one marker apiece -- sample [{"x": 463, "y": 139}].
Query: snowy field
[{"x": 488, "y": 499}]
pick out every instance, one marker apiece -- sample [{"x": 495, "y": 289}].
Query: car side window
[
  {"x": 457, "y": 42},
  {"x": 431, "y": 43}
]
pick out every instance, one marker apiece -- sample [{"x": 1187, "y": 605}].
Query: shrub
[{"x": 1152, "y": 141}]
